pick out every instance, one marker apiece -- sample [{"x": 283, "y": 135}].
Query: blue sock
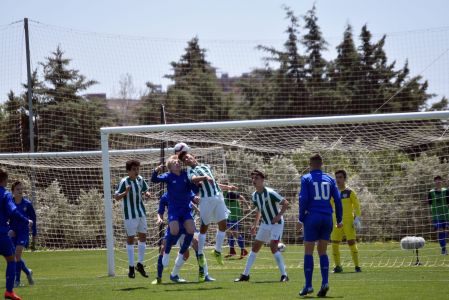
[
  {"x": 186, "y": 244},
  {"x": 231, "y": 241},
  {"x": 324, "y": 266},
  {"x": 18, "y": 270},
  {"x": 24, "y": 267},
  {"x": 241, "y": 242},
  {"x": 442, "y": 239},
  {"x": 308, "y": 270},
  {"x": 200, "y": 268},
  {"x": 160, "y": 267},
  {"x": 10, "y": 275},
  {"x": 169, "y": 242}
]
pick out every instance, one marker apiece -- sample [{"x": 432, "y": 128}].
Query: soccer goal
[{"x": 391, "y": 160}]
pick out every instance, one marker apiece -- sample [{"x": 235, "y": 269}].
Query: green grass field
[{"x": 82, "y": 275}]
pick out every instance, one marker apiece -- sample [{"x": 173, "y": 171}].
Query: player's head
[
  {"x": 438, "y": 180},
  {"x": 3, "y": 177},
  {"x": 316, "y": 162},
  {"x": 340, "y": 177},
  {"x": 17, "y": 189},
  {"x": 258, "y": 178},
  {"x": 187, "y": 159},
  {"x": 173, "y": 163},
  {"x": 133, "y": 167}
]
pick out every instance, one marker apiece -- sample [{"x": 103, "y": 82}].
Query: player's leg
[
  {"x": 441, "y": 232},
  {"x": 336, "y": 238},
  {"x": 189, "y": 226},
  {"x": 141, "y": 245},
  {"x": 259, "y": 241},
  {"x": 179, "y": 261},
  {"x": 206, "y": 210},
  {"x": 311, "y": 223},
  {"x": 323, "y": 238},
  {"x": 18, "y": 254},
  {"x": 276, "y": 233},
  {"x": 21, "y": 262},
  {"x": 131, "y": 231},
  {"x": 7, "y": 251},
  {"x": 220, "y": 212},
  {"x": 160, "y": 267},
  {"x": 231, "y": 238},
  {"x": 240, "y": 241}
]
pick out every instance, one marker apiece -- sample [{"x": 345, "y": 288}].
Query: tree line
[{"x": 296, "y": 81}]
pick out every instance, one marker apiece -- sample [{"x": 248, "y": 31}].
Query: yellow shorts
[{"x": 347, "y": 230}]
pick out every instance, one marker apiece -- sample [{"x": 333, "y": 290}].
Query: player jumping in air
[{"x": 315, "y": 214}]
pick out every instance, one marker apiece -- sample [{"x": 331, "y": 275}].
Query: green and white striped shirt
[
  {"x": 267, "y": 203},
  {"x": 132, "y": 203},
  {"x": 207, "y": 189}
]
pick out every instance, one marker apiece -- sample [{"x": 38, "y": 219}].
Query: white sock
[
  {"x": 141, "y": 251},
  {"x": 249, "y": 263},
  {"x": 219, "y": 239},
  {"x": 130, "y": 251},
  {"x": 179, "y": 262},
  {"x": 166, "y": 259},
  {"x": 205, "y": 268},
  {"x": 280, "y": 261},
  {"x": 201, "y": 242}
]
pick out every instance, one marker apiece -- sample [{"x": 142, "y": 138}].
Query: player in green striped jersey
[
  {"x": 130, "y": 189},
  {"x": 212, "y": 205},
  {"x": 267, "y": 202}
]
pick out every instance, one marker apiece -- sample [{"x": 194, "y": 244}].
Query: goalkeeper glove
[{"x": 357, "y": 224}]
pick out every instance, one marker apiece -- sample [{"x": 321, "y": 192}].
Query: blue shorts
[
  {"x": 6, "y": 246},
  {"x": 233, "y": 225},
  {"x": 180, "y": 217},
  {"x": 21, "y": 240},
  {"x": 440, "y": 224},
  {"x": 181, "y": 232},
  {"x": 317, "y": 227}
]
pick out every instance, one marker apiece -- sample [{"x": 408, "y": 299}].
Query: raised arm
[{"x": 159, "y": 178}]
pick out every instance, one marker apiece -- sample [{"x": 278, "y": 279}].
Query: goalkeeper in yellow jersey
[{"x": 351, "y": 223}]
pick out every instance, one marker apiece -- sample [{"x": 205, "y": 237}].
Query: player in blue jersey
[
  {"x": 20, "y": 231},
  {"x": 8, "y": 210},
  {"x": 179, "y": 190},
  {"x": 315, "y": 215}
]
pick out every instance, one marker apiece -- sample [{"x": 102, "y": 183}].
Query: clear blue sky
[{"x": 261, "y": 20}]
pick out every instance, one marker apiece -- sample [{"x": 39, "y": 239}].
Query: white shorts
[
  {"x": 133, "y": 226},
  {"x": 270, "y": 232},
  {"x": 213, "y": 209}
]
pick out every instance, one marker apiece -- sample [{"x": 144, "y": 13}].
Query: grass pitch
[{"x": 82, "y": 275}]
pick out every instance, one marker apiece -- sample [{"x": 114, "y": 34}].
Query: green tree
[{"x": 196, "y": 93}]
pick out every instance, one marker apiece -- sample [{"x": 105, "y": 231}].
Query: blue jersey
[
  {"x": 8, "y": 210},
  {"x": 163, "y": 203},
  {"x": 317, "y": 189},
  {"x": 25, "y": 208},
  {"x": 179, "y": 190}
]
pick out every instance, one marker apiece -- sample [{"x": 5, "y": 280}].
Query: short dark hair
[
  {"x": 343, "y": 172},
  {"x": 438, "y": 177},
  {"x": 181, "y": 155},
  {"x": 316, "y": 158},
  {"x": 3, "y": 175},
  {"x": 256, "y": 172},
  {"x": 14, "y": 184},
  {"x": 132, "y": 163}
]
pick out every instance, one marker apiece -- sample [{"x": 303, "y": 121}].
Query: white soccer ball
[
  {"x": 281, "y": 247},
  {"x": 181, "y": 147}
]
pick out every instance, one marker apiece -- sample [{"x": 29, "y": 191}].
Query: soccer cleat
[
  {"x": 201, "y": 277},
  {"x": 231, "y": 252},
  {"x": 242, "y": 278},
  {"x": 12, "y": 296},
  {"x": 30, "y": 278},
  {"x": 284, "y": 278},
  {"x": 243, "y": 253},
  {"x": 443, "y": 251},
  {"x": 305, "y": 291},
  {"x": 131, "y": 273},
  {"x": 218, "y": 257},
  {"x": 141, "y": 269},
  {"x": 157, "y": 281},
  {"x": 209, "y": 279},
  {"x": 177, "y": 279},
  {"x": 323, "y": 291},
  {"x": 338, "y": 269},
  {"x": 358, "y": 269},
  {"x": 201, "y": 260}
]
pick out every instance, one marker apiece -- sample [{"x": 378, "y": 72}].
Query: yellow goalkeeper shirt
[{"x": 350, "y": 203}]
